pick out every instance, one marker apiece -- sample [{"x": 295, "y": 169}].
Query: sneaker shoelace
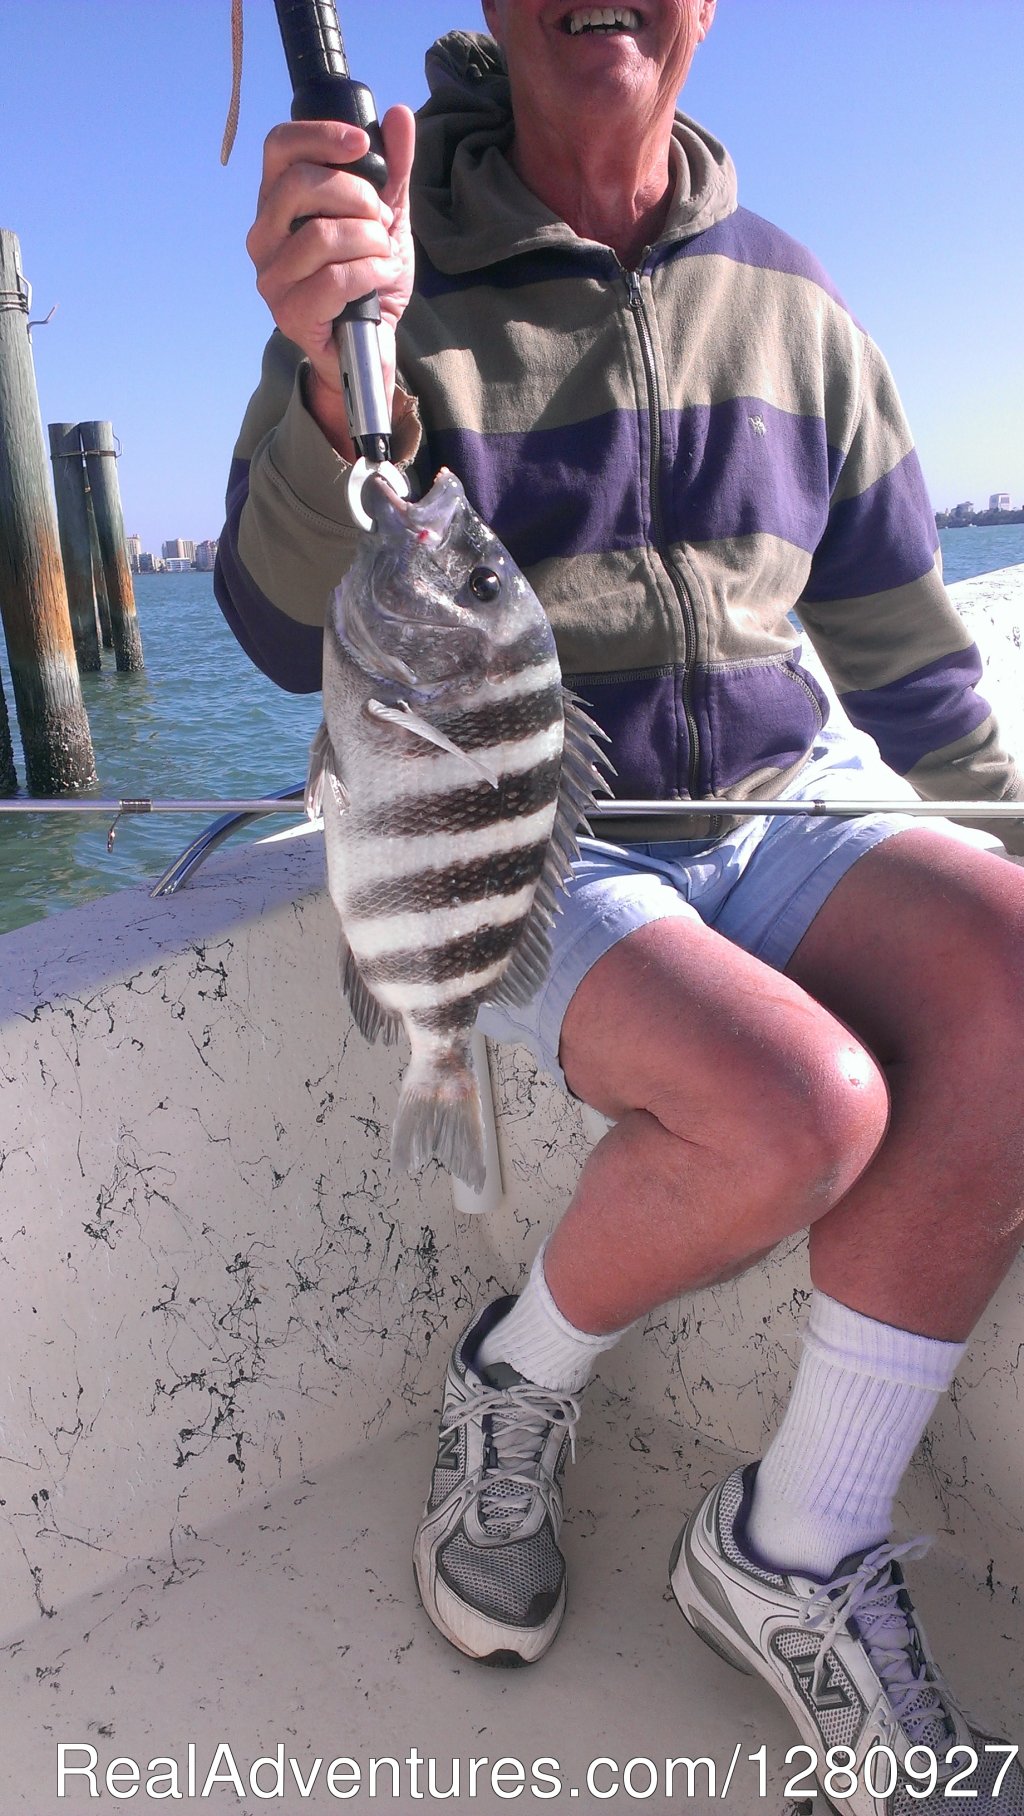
[
  {"x": 521, "y": 1417},
  {"x": 870, "y": 1596}
]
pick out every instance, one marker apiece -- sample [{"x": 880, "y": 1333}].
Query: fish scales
[
  {"x": 479, "y": 807},
  {"x": 453, "y": 773},
  {"x": 425, "y": 892}
]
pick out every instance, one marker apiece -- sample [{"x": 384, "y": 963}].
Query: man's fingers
[
  {"x": 305, "y": 311},
  {"x": 350, "y": 240},
  {"x": 323, "y": 244},
  {"x": 310, "y": 189},
  {"x": 310, "y": 142}
]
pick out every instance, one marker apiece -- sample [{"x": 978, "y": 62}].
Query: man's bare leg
[
  {"x": 921, "y": 949},
  {"x": 743, "y": 1111},
  {"x": 746, "y": 1111}
]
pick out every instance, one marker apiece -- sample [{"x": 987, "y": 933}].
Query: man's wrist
[{"x": 326, "y": 405}]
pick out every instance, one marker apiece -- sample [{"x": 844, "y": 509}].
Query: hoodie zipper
[{"x": 635, "y": 304}]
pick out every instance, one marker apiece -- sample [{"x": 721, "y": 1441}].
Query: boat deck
[{"x": 296, "y": 1623}]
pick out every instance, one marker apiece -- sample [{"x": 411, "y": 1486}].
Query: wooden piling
[
  {"x": 98, "y": 581},
  {"x": 101, "y": 466},
  {"x": 8, "y": 773},
  {"x": 73, "y": 524},
  {"x": 33, "y": 599}
]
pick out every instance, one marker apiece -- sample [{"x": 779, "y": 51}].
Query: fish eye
[{"x": 484, "y": 584}]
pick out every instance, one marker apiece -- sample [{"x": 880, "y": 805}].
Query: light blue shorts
[{"x": 760, "y": 886}]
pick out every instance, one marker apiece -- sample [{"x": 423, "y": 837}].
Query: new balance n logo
[
  {"x": 833, "y": 1689},
  {"x": 448, "y": 1450}
]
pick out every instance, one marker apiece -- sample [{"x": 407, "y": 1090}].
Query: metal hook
[{"x": 357, "y": 479}]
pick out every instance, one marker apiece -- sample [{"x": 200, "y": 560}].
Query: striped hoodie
[{"x": 683, "y": 458}]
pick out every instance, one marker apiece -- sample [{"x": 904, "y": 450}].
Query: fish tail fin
[{"x": 440, "y": 1117}]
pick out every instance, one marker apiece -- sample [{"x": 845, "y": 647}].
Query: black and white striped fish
[{"x": 453, "y": 773}]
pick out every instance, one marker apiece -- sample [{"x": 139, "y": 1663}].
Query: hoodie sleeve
[
  {"x": 898, "y": 653},
  {"x": 288, "y": 536}
]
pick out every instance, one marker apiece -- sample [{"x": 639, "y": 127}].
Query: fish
[{"x": 454, "y": 773}]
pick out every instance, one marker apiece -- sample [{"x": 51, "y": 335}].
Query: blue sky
[{"x": 884, "y": 133}]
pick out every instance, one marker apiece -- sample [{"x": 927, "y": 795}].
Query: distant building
[
  {"x": 177, "y": 564},
  {"x": 961, "y": 512},
  {"x": 179, "y": 549},
  {"x": 206, "y": 555},
  {"x": 147, "y": 562},
  {"x": 999, "y": 501},
  {"x": 134, "y": 547}
]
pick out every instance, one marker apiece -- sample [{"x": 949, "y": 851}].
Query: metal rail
[
  {"x": 239, "y": 814},
  {"x": 290, "y": 801},
  {"x": 603, "y": 817}
]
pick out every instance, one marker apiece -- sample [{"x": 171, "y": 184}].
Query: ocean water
[
  {"x": 198, "y": 722},
  {"x": 980, "y": 550},
  {"x": 201, "y": 722}
]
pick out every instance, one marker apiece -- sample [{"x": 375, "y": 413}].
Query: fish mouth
[
  {"x": 603, "y": 20},
  {"x": 382, "y": 502},
  {"x": 429, "y": 519}
]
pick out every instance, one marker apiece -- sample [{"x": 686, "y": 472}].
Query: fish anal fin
[{"x": 369, "y": 1015}]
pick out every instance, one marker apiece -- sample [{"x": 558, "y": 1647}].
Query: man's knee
[
  {"x": 732, "y": 1059},
  {"x": 805, "y": 1118},
  {"x": 832, "y": 1130},
  {"x": 792, "y": 1122}
]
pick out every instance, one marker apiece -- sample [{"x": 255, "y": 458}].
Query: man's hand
[{"x": 356, "y": 241}]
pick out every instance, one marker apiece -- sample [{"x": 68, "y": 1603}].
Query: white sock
[
  {"x": 540, "y": 1343},
  {"x": 863, "y": 1395}
]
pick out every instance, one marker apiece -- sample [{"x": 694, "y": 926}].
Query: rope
[
  {"x": 15, "y": 299},
  {"x": 231, "y": 125}
]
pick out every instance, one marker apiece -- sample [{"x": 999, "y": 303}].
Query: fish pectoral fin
[
  {"x": 403, "y": 715},
  {"x": 369, "y": 1015},
  {"x": 323, "y": 773}
]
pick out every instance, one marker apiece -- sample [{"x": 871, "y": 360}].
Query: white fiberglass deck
[
  {"x": 295, "y": 1624},
  {"x": 225, "y": 1325}
]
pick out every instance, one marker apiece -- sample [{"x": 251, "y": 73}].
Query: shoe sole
[
  {"x": 701, "y": 1621},
  {"x": 696, "y": 1621},
  {"x": 513, "y": 1648}
]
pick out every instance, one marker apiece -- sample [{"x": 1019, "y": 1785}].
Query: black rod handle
[
  {"x": 322, "y": 88},
  {"x": 312, "y": 39}
]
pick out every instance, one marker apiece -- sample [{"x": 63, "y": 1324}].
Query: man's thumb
[{"x": 398, "y": 128}]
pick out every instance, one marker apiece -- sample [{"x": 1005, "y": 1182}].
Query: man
[{"x": 660, "y": 404}]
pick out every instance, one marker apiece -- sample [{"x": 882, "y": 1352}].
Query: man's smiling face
[{"x": 567, "y": 57}]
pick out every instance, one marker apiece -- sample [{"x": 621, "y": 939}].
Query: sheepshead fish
[{"x": 454, "y": 773}]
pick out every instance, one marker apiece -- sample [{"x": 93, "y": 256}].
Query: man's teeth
[{"x": 604, "y": 18}]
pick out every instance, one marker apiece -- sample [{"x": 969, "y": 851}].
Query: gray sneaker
[
  {"x": 850, "y": 1661},
  {"x": 488, "y": 1567}
]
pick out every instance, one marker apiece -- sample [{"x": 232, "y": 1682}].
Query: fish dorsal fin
[
  {"x": 583, "y": 777},
  {"x": 323, "y": 773},
  {"x": 403, "y": 715},
  {"x": 369, "y": 1015}
]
